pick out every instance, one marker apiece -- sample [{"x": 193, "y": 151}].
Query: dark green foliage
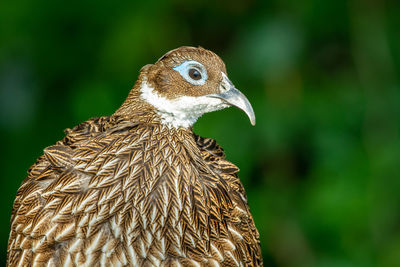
[{"x": 321, "y": 167}]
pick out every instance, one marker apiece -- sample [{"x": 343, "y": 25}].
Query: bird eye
[{"x": 194, "y": 74}]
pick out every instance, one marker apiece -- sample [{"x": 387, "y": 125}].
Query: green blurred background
[{"x": 321, "y": 167}]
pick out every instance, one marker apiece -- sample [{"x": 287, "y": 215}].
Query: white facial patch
[{"x": 182, "y": 111}]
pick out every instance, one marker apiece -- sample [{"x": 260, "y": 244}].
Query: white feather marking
[
  {"x": 23, "y": 256},
  {"x": 162, "y": 221},
  {"x": 103, "y": 259},
  {"x": 165, "y": 195},
  {"x": 143, "y": 253},
  {"x": 38, "y": 244},
  {"x": 153, "y": 214},
  {"x": 84, "y": 220},
  {"x": 113, "y": 208},
  {"x": 78, "y": 207},
  {"x": 50, "y": 232},
  {"x": 39, "y": 224},
  {"x": 230, "y": 244},
  {"x": 217, "y": 252},
  {"x": 74, "y": 247},
  {"x": 114, "y": 192},
  {"x": 230, "y": 255},
  {"x": 109, "y": 164},
  {"x": 213, "y": 263},
  {"x": 183, "y": 111},
  {"x": 68, "y": 261},
  {"x": 191, "y": 239},
  {"x": 132, "y": 255},
  {"x": 144, "y": 218},
  {"x": 149, "y": 237},
  {"x": 50, "y": 263},
  {"x": 92, "y": 167},
  {"x": 81, "y": 166},
  {"x": 116, "y": 228},
  {"x": 65, "y": 208},
  {"x": 235, "y": 233},
  {"x": 178, "y": 195},
  {"x": 240, "y": 210},
  {"x": 179, "y": 228},
  {"x": 102, "y": 212},
  {"x": 163, "y": 247},
  {"x": 94, "y": 244},
  {"x": 195, "y": 263},
  {"x": 121, "y": 170},
  {"x": 154, "y": 260},
  {"x": 67, "y": 230},
  {"x": 91, "y": 225}
]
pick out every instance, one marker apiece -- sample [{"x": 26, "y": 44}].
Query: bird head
[{"x": 187, "y": 82}]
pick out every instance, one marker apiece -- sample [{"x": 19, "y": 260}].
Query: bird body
[{"x": 138, "y": 188}]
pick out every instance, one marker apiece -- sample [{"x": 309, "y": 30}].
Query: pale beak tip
[{"x": 252, "y": 117}]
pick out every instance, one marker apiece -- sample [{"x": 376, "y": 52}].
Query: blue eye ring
[{"x": 193, "y": 72}]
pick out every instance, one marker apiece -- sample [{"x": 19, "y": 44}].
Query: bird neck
[
  {"x": 144, "y": 105},
  {"x": 137, "y": 110}
]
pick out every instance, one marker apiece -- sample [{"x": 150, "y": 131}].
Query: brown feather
[{"x": 126, "y": 190}]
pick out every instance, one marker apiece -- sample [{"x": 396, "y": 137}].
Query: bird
[{"x": 139, "y": 187}]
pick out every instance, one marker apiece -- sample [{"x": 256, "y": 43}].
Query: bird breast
[{"x": 134, "y": 195}]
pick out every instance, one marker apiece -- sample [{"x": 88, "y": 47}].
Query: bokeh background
[{"x": 321, "y": 167}]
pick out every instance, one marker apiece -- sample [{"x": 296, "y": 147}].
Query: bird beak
[{"x": 234, "y": 97}]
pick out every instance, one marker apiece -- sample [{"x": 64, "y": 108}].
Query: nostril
[{"x": 224, "y": 87}]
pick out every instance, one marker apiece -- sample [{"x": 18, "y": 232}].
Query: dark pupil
[{"x": 194, "y": 74}]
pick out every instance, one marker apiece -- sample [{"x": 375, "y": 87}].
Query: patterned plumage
[{"x": 139, "y": 188}]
